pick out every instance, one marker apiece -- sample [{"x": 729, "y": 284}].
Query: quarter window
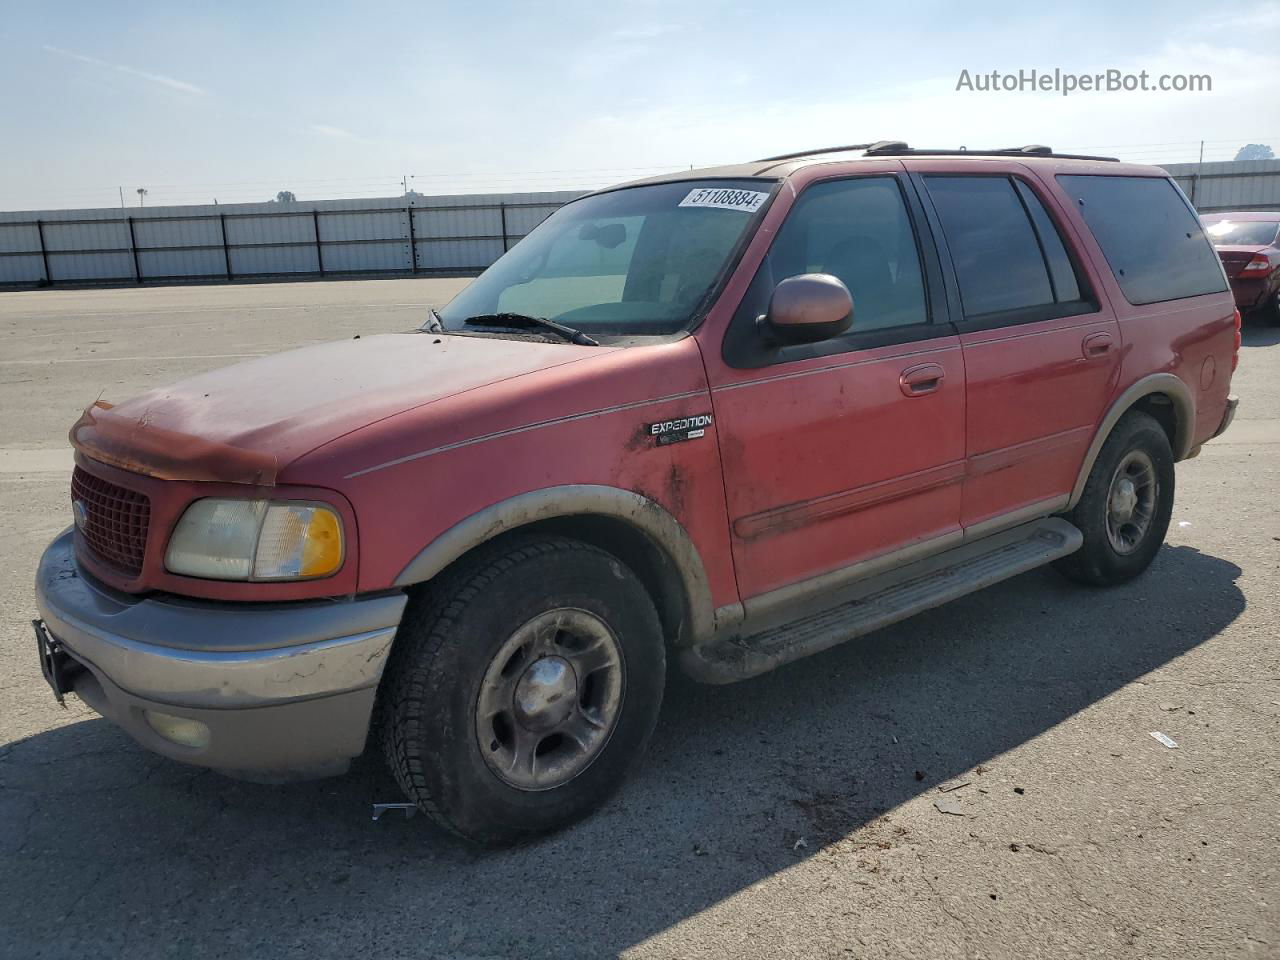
[{"x": 1153, "y": 242}]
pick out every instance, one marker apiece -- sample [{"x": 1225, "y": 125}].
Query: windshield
[
  {"x": 1245, "y": 233},
  {"x": 632, "y": 262}
]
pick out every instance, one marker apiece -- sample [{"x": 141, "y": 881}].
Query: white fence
[
  {"x": 399, "y": 235},
  {"x": 396, "y": 235}
]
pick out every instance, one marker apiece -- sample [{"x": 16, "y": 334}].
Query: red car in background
[{"x": 1249, "y": 246}]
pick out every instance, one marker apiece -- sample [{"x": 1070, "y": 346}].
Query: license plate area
[{"x": 56, "y": 664}]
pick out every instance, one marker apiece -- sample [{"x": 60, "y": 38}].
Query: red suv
[
  {"x": 1249, "y": 245},
  {"x": 723, "y": 419}
]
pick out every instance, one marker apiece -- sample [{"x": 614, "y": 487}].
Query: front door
[{"x": 841, "y": 451}]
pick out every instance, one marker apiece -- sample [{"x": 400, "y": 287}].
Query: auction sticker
[{"x": 718, "y": 198}]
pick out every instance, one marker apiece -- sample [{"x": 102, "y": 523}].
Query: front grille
[{"x": 112, "y": 521}]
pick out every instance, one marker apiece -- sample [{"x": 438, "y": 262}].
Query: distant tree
[
  {"x": 286, "y": 196},
  {"x": 1255, "y": 151}
]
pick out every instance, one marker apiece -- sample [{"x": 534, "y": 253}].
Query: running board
[{"x": 883, "y": 599}]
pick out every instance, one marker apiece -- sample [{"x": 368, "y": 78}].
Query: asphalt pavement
[{"x": 979, "y": 781}]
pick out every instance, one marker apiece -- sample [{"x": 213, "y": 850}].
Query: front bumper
[{"x": 285, "y": 690}]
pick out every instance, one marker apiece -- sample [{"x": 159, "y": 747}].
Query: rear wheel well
[
  {"x": 1160, "y": 407},
  {"x": 648, "y": 561}
]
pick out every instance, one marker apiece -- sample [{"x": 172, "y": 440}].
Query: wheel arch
[
  {"x": 1163, "y": 396},
  {"x": 639, "y": 531}
]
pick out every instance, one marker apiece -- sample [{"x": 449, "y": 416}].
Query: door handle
[
  {"x": 1096, "y": 344},
  {"x": 921, "y": 379}
]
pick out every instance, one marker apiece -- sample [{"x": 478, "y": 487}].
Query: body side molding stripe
[
  {"x": 522, "y": 429},
  {"x": 833, "y": 505}
]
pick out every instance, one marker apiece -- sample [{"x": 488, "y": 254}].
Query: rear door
[
  {"x": 844, "y": 450},
  {"x": 1041, "y": 347}
]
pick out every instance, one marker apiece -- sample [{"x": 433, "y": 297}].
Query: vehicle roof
[
  {"x": 773, "y": 170},
  {"x": 1242, "y": 215}
]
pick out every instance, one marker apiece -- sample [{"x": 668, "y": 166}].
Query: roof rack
[
  {"x": 898, "y": 148},
  {"x": 811, "y": 153}
]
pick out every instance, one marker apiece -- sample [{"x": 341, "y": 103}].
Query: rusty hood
[{"x": 245, "y": 423}]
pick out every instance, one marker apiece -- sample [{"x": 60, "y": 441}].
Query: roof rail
[
  {"x": 898, "y": 148},
  {"x": 812, "y": 153}
]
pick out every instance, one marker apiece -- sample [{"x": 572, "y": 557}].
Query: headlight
[{"x": 256, "y": 540}]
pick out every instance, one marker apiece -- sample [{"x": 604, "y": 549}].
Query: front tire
[
  {"x": 524, "y": 686},
  {"x": 1126, "y": 505}
]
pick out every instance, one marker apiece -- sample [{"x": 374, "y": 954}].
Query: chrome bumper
[{"x": 283, "y": 689}]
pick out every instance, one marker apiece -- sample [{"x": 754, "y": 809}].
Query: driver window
[{"x": 857, "y": 230}]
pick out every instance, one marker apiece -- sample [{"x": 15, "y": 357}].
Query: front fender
[{"x": 567, "y": 501}]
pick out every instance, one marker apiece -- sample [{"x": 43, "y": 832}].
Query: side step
[{"x": 884, "y": 599}]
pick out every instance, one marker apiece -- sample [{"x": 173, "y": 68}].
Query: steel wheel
[
  {"x": 1131, "y": 502},
  {"x": 550, "y": 699}
]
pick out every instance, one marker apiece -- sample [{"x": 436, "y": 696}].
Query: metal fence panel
[
  {"x": 19, "y": 238},
  {"x": 460, "y": 255},
  {"x": 180, "y": 264},
  {"x": 1230, "y": 184},
  {"x": 21, "y": 269},
  {"x": 461, "y": 234},
  {"x": 269, "y": 261}
]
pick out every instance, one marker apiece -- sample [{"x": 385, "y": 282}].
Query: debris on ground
[
  {"x": 948, "y": 787},
  {"x": 1019, "y": 790},
  {"x": 701, "y": 848},
  {"x": 409, "y": 809},
  {"x": 950, "y": 805},
  {"x": 1167, "y": 741},
  {"x": 1170, "y": 707},
  {"x": 799, "y": 844}
]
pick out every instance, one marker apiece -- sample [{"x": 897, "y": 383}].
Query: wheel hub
[
  {"x": 1131, "y": 503},
  {"x": 550, "y": 699},
  {"x": 1124, "y": 499},
  {"x": 546, "y": 694}
]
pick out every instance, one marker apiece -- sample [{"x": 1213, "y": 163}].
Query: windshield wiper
[
  {"x": 433, "y": 323},
  {"x": 523, "y": 320}
]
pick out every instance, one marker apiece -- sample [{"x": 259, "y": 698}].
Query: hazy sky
[{"x": 238, "y": 100}]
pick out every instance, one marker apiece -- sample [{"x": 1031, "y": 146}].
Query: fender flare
[
  {"x": 565, "y": 502},
  {"x": 1164, "y": 383}
]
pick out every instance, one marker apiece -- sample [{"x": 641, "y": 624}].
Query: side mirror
[{"x": 807, "y": 309}]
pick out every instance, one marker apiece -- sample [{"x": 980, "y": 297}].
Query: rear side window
[
  {"x": 1152, "y": 240},
  {"x": 1061, "y": 273},
  {"x": 1010, "y": 261}
]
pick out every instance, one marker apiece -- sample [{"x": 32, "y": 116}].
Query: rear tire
[
  {"x": 1270, "y": 314},
  {"x": 1126, "y": 505},
  {"x": 523, "y": 687}
]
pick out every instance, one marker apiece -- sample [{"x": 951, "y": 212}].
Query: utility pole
[
  {"x": 121, "y": 189},
  {"x": 1195, "y": 181}
]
